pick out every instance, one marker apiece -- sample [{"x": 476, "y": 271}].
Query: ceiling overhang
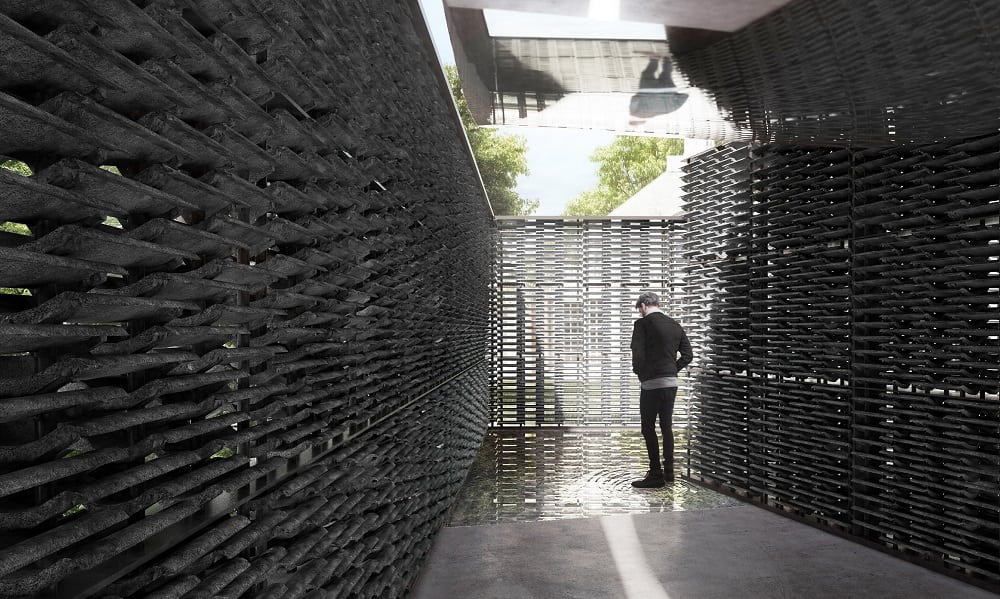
[{"x": 711, "y": 15}]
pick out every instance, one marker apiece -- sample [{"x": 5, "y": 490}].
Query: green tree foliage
[
  {"x": 16, "y": 166},
  {"x": 15, "y": 228},
  {"x": 624, "y": 166},
  {"x": 500, "y": 158}
]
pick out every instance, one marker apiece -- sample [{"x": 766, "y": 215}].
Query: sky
[
  {"x": 559, "y": 164},
  {"x": 557, "y": 158}
]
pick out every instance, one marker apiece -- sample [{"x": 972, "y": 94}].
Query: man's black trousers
[{"x": 653, "y": 403}]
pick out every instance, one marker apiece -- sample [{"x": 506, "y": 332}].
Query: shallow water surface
[{"x": 559, "y": 473}]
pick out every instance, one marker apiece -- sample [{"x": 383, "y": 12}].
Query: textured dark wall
[
  {"x": 850, "y": 324},
  {"x": 246, "y": 358},
  {"x": 870, "y": 73}
]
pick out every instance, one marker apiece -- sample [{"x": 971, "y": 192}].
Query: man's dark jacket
[{"x": 656, "y": 341}]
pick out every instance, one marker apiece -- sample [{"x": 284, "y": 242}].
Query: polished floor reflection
[{"x": 553, "y": 474}]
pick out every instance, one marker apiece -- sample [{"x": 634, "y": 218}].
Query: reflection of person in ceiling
[
  {"x": 666, "y": 74},
  {"x": 649, "y": 77},
  {"x": 656, "y": 94}
]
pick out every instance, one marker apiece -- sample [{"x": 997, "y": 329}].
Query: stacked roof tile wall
[
  {"x": 851, "y": 330},
  {"x": 839, "y": 72},
  {"x": 244, "y": 316}
]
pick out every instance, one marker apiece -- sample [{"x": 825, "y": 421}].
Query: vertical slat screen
[{"x": 565, "y": 308}]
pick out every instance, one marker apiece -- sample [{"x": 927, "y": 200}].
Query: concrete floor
[
  {"x": 551, "y": 514},
  {"x": 725, "y": 553}
]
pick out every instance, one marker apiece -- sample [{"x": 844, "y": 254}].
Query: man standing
[{"x": 657, "y": 340}]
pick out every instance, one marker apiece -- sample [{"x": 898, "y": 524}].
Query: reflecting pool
[{"x": 558, "y": 473}]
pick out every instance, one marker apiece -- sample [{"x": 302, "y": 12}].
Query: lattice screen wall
[
  {"x": 244, "y": 323},
  {"x": 566, "y": 291},
  {"x": 716, "y": 250},
  {"x": 852, "y": 367}
]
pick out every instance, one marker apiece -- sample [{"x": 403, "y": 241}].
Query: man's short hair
[{"x": 647, "y": 298}]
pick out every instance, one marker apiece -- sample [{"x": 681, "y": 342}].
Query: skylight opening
[{"x": 508, "y": 23}]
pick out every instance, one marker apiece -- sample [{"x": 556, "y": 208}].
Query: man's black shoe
[{"x": 654, "y": 479}]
